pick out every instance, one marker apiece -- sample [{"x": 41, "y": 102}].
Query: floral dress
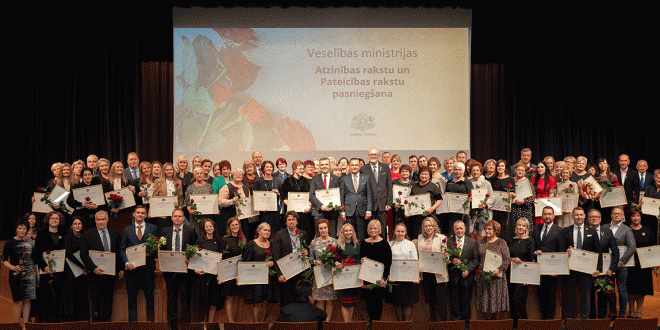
[{"x": 315, "y": 248}]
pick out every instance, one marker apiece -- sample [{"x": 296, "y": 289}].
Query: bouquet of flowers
[
  {"x": 115, "y": 201},
  {"x": 530, "y": 173},
  {"x": 269, "y": 257},
  {"x": 608, "y": 185},
  {"x": 329, "y": 256},
  {"x": 238, "y": 203},
  {"x": 603, "y": 284},
  {"x": 569, "y": 189},
  {"x": 590, "y": 192},
  {"x": 61, "y": 204},
  {"x": 192, "y": 251},
  {"x": 335, "y": 207},
  {"x": 454, "y": 252},
  {"x": 153, "y": 243},
  {"x": 488, "y": 276}
]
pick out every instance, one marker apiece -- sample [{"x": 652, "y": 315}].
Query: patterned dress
[
  {"x": 525, "y": 210},
  {"x": 493, "y": 296},
  {"x": 23, "y": 285},
  {"x": 315, "y": 248}
]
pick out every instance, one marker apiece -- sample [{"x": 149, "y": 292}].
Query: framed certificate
[
  {"x": 606, "y": 259},
  {"x": 322, "y": 276},
  {"x": 617, "y": 196},
  {"x": 443, "y": 208},
  {"x": 347, "y": 278},
  {"x": 568, "y": 201},
  {"x": 60, "y": 259},
  {"x": 651, "y": 206},
  {"x": 553, "y": 263},
  {"x": 404, "y": 270},
  {"x": 649, "y": 256},
  {"x": 567, "y": 187},
  {"x": 417, "y": 204},
  {"x": 39, "y": 205},
  {"x": 126, "y": 194},
  {"x": 298, "y": 201},
  {"x": 104, "y": 260},
  {"x": 77, "y": 271},
  {"x": 207, "y": 262},
  {"x": 58, "y": 194},
  {"x": 498, "y": 198},
  {"x": 404, "y": 190},
  {"x": 492, "y": 261},
  {"x": 631, "y": 261},
  {"x": 431, "y": 262},
  {"x": 478, "y": 195},
  {"x": 327, "y": 196},
  {"x": 371, "y": 271},
  {"x": 162, "y": 206},
  {"x": 523, "y": 189},
  {"x": 137, "y": 255},
  {"x": 94, "y": 193},
  {"x": 526, "y": 273},
  {"x": 291, "y": 265},
  {"x": 245, "y": 208},
  {"x": 594, "y": 183},
  {"x": 455, "y": 202},
  {"x": 228, "y": 268},
  {"x": 264, "y": 201},
  {"x": 172, "y": 262},
  {"x": 252, "y": 273},
  {"x": 554, "y": 202},
  {"x": 206, "y": 203},
  {"x": 583, "y": 261}
]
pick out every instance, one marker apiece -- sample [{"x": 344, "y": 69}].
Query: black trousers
[
  {"x": 547, "y": 296},
  {"x": 177, "y": 284},
  {"x": 141, "y": 277},
  {"x": 102, "y": 291}
]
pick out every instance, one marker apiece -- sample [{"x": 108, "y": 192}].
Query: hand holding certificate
[
  {"x": 264, "y": 201},
  {"x": 554, "y": 202},
  {"x": 614, "y": 197},
  {"x": 404, "y": 271},
  {"x": 90, "y": 194},
  {"x": 651, "y": 206},
  {"x": 298, "y": 201},
  {"x": 371, "y": 271},
  {"x": 553, "y": 263},
  {"x": 228, "y": 269},
  {"x": 104, "y": 260},
  {"x": 477, "y": 196},
  {"x": 137, "y": 255},
  {"x": 245, "y": 208},
  {"x": 162, "y": 206},
  {"x": 127, "y": 198},
  {"x": 206, "y": 203},
  {"x": 207, "y": 262},
  {"x": 399, "y": 192},
  {"x": 649, "y": 256},
  {"x": 252, "y": 273},
  {"x": 523, "y": 189},
  {"x": 417, "y": 204},
  {"x": 432, "y": 262},
  {"x": 348, "y": 278},
  {"x": 171, "y": 261},
  {"x": 55, "y": 261},
  {"x": 327, "y": 196},
  {"x": 583, "y": 261},
  {"x": 291, "y": 265},
  {"x": 526, "y": 273},
  {"x": 492, "y": 261}
]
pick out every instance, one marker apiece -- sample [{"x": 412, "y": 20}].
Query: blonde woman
[
  {"x": 521, "y": 249},
  {"x": 376, "y": 248},
  {"x": 348, "y": 249},
  {"x": 404, "y": 294},
  {"x": 434, "y": 285}
]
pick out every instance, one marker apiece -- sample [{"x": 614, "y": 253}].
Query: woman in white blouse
[
  {"x": 404, "y": 294},
  {"x": 434, "y": 285},
  {"x": 484, "y": 212}
]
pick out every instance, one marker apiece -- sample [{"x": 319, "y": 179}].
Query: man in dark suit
[
  {"x": 577, "y": 236},
  {"x": 178, "y": 238},
  {"x": 132, "y": 170},
  {"x": 323, "y": 180},
  {"x": 136, "y": 277},
  {"x": 526, "y": 159},
  {"x": 286, "y": 241},
  {"x": 381, "y": 182},
  {"x": 546, "y": 239},
  {"x": 101, "y": 286},
  {"x": 356, "y": 197},
  {"x": 628, "y": 178},
  {"x": 460, "y": 283},
  {"x": 645, "y": 179},
  {"x": 606, "y": 243},
  {"x": 302, "y": 309}
]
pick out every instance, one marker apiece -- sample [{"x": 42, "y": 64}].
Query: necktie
[
  {"x": 139, "y": 232},
  {"x": 325, "y": 177},
  {"x": 177, "y": 240},
  {"x": 641, "y": 182},
  {"x": 104, "y": 239},
  {"x": 375, "y": 169},
  {"x": 355, "y": 182},
  {"x": 460, "y": 243},
  {"x": 545, "y": 232},
  {"x": 135, "y": 175},
  {"x": 578, "y": 244}
]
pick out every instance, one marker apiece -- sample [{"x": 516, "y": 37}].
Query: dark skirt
[
  {"x": 403, "y": 294},
  {"x": 258, "y": 293},
  {"x": 349, "y": 297},
  {"x": 75, "y": 300},
  {"x": 231, "y": 289}
]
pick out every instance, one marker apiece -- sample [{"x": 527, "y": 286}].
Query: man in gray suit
[
  {"x": 381, "y": 182},
  {"x": 624, "y": 238},
  {"x": 356, "y": 197},
  {"x": 460, "y": 283}
]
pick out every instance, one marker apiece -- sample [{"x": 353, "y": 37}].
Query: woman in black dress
[
  {"x": 504, "y": 182},
  {"x": 232, "y": 245},
  {"x": 405, "y": 180},
  {"x": 640, "y": 283},
  {"x": 376, "y": 248},
  {"x": 424, "y": 186},
  {"x": 521, "y": 248},
  {"x": 50, "y": 284},
  {"x": 268, "y": 183},
  {"x": 230, "y": 194},
  {"x": 298, "y": 183},
  {"x": 204, "y": 284},
  {"x": 86, "y": 210},
  {"x": 75, "y": 301},
  {"x": 17, "y": 257},
  {"x": 456, "y": 185},
  {"x": 258, "y": 294}
]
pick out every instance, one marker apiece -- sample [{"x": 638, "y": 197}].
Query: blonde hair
[
  {"x": 436, "y": 229},
  {"x": 341, "y": 241},
  {"x": 182, "y": 158}
]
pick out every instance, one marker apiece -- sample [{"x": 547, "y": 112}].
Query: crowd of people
[{"x": 371, "y": 223}]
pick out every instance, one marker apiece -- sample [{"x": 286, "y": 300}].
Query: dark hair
[
  {"x": 263, "y": 165},
  {"x": 140, "y": 206},
  {"x": 50, "y": 214},
  {"x": 281, "y": 160},
  {"x": 427, "y": 170},
  {"x": 546, "y": 176},
  {"x": 224, "y": 163},
  {"x": 405, "y": 167},
  {"x": 25, "y": 218},
  {"x": 292, "y": 213},
  {"x": 79, "y": 218},
  {"x": 302, "y": 291}
]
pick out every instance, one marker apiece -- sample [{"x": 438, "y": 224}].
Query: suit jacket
[
  {"x": 624, "y": 237},
  {"x": 281, "y": 246},
  {"x": 630, "y": 184},
  {"x": 589, "y": 241},
  {"x": 129, "y": 238},
  {"x": 469, "y": 254},
  {"x": 359, "y": 201},
  {"x": 302, "y": 312},
  {"x": 160, "y": 188},
  {"x": 189, "y": 238},
  {"x": 91, "y": 240},
  {"x": 648, "y": 180},
  {"x": 607, "y": 243},
  {"x": 382, "y": 189},
  {"x": 129, "y": 176},
  {"x": 550, "y": 243},
  {"x": 317, "y": 184},
  {"x": 44, "y": 242},
  {"x": 513, "y": 168}
]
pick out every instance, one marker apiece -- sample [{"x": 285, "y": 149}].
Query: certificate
[
  {"x": 583, "y": 261},
  {"x": 523, "y": 189},
  {"x": 137, "y": 255},
  {"x": 617, "y": 196},
  {"x": 540, "y": 203},
  {"x": 94, "y": 193},
  {"x": 396, "y": 189},
  {"x": 58, "y": 194},
  {"x": 492, "y": 261},
  {"x": 104, "y": 260},
  {"x": 39, "y": 205},
  {"x": 404, "y": 270},
  {"x": 207, "y": 262},
  {"x": 499, "y": 203},
  {"x": 327, "y": 196},
  {"x": 264, "y": 201},
  {"x": 651, "y": 206},
  {"x": 172, "y": 262},
  {"x": 291, "y": 265},
  {"x": 567, "y": 187},
  {"x": 594, "y": 183},
  {"x": 252, "y": 273},
  {"x": 245, "y": 209},
  {"x": 127, "y": 195},
  {"x": 163, "y": 206},
  {"x": 298, "y": 201},
  {"x": 526, "y": 273},
  {"x": 649, "y": 256},
  {"x": 432, "y": 262},
  {"x": 455, "y": 202},
  {"x": 568, "y": 201},
  {"x": 607, "y": 259},
  {"x": 228, "y": 269},
  {"x": 206, "y": 203},
  {"x": 371, "y": 271},
  {"x": 417, "y": 204},
  {"x": 347, "y": 278},
  {"x": 553, "y": 263},
  {"x": 322, "y": 276},
  {"x": 60, "y": 259},
  {"x": 631, "y": 261},
  {"x": 77, "y": 271},
  {"x": 478, "y": 195},
  {"x": 443, "y": 208}
]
